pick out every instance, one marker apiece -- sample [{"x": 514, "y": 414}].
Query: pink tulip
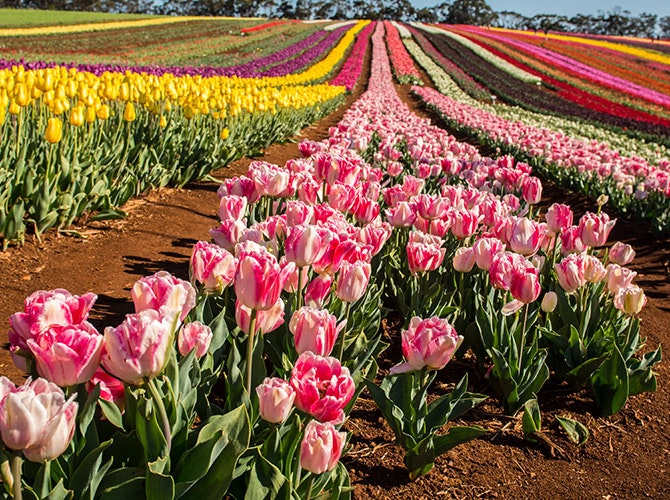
[
  {"x": 375, "y": 235},
  {"x": 464, "y": 259},
  {"x": 571, "y": 241},
  {"x": 343, "y": 197},
  {"x": 465, "y": 223},
  {"x": 37, "y": 419},
  {"x": 526, "y": 236},
  {"x": 137, "y": 349},
  {"x": 570, "y": 272},
  {"x": 194, "y": 335},
  {"x": 317, "y": 290},
  {"x": 229, "y": 233},
  {"x": 412, "y": 185},
  {"x": 619, "y": 278},
  {"x": 259, "y": 279},
  {"x": 267, "y": 320},
  {"x": 306, "y": 244},
  {"x": 395, "y": 194},
  {"x": 43, "y": 309},
  {"x": 298, "y": 213},
  {"x": 269, "y": 179},
  {"x": 501, "y": 270},
  {"x": 484, "y": 249},
  {"x": 594, "y": 271},
  {"x": 532, "y": 190},
  {"x": 239, "y": 186},
  {"x": 630, "y": 300},
  {"x": 309, "y": 147},
  {"x": 424, "y": 253},
  {"x": 275, "y": 400},
  {"x": 559, "y": 217},
  {"x": 621, "y": 253},
  {"x": 67, "y": 355},
  {"x": 594, "y": 229},
  {"x": 321, "y": 447},
  {"x": 323, "y": 387},
  {"x": 314, "y": 330},
  {"x": 427, "y": 343},
  {"x": 164, "y": 293},
  {"x": 111, "y": 388},
  {"x": 431, "y": 206},
  {"x": 212, "y": 266},
  {"x": 400, "y": 215},
  {"x": 232, "y": 207},
  {"x": 367, "y": 210},
  {"x": 525, "y": 285},
  {"x": 352, "y": 280}
]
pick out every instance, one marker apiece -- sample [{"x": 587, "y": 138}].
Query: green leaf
[
  {"x": 123, "y": 484},
  {"x": 532, "y": 418},
  {"x": 59, "y": 492},
  {"x": 111, "y": 413},
  {"x": 265, "y": 480},
  {"x": 89, "y": 473},
  {"x": 159, "y": 486},
  {"x": 641, "y": 378},
  {"x": 610, "y": 384},
  {"x": 578, "y": 376},
  {"x": 576, "y": 431},
  {"x": 455, "y": 436}
]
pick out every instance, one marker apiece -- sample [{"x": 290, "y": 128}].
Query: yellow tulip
[
  {"x": 90, "y": 114},
  {"x": 22, "y": 95},
  {"x": 129, "y": 112},
  {"x": 103, "y": 112},
  {"x": 14, "y": 108},
  {"x": 163, "y": 122},
  {"x": 225, "y": 133},
  {"x": 54, "y": 130},
  {"x": 77, "y": 116}
]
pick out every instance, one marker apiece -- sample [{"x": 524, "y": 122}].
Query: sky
[{"x": 570, "y": 8}]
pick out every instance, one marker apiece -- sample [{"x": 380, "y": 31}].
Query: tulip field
[{"x": 389, "y": 290}]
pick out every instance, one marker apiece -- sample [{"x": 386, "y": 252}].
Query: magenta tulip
[
  {"x": 323, "y": 387},
  {"x": 318, "y": 290},
  {"x": 67, "y": 355},
  {"x": 260, "y": 279},
  {"x": 111, "y": 388}
]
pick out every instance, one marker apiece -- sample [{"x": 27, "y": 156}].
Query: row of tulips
[
  {"x": 353, "y": 66},
  {"x": 129, "y": 132},
  {"x": 498, "y": 62},
  {"x": 571, "y": 86},
  {"x": 284, "y": 309},
  {"x": 632, "y": 185},
  {"x": 401, "y": 61},
  {"x": 587, "y": 166},
  {"x": 445, "y": 79}
]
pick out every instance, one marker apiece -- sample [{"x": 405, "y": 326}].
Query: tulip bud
[
  {"x": 630, "y": 300},
  {"x": 464, "y": 260},
  {"x": 54, "y": 131},
  {"x": 129, "y": 112},
  {"x": 321, "y": 447},
  {"x": 194, "y": 335},
  {"x": 549, "y": 302},
  {"x": 621, "y": 254},
  {"x": 275, "y": 399}
]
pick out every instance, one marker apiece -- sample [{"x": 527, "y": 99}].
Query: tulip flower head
[
  {"x": 170, "y": 296},
  {"x": 321, "y": 447},
  {"x": 275, "y": 400},
  {"x": 194, "y": 335},
  {"x": 212, "y": 266}
]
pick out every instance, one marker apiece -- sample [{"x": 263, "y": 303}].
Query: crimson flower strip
[
  {"x": 263, "y": 26},
  {"x": 351, "y": 70},
  {"x": 401, "y": 61}
]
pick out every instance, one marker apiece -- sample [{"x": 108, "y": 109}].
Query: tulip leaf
[
  {"x": 111, "y": 413},
  {"x": 455, "y": 436},
  {"x": 451, "y": 406},
  {"x": 610, "y": 384},
  {"x": 122, "y": 484},
  {"x": 576, "y": 431},
  {"x": 89, "y": 472},
  {"x": 532, "y": 418},
  {"x": 265, "y": 481},
  {"x": 59, "y": 492},
  {"x": 149, "y": 431},
  {"x": 159, "y": 486},
  {"x": 641, "y": 378}
]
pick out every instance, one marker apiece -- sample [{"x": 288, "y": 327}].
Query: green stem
[
  {"x": 17, "y": 462},
  {"x": 343, "y": 333},
  {"x": 250, "y": 349},
  {"x": 158, "y": 401},
  {"x": 309, "y": 488},
  {"x": 523, "y": 337},
  {"x": 299, "y": 290}
]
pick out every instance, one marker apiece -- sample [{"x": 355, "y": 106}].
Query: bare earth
[{"x": 626, "y": 456}]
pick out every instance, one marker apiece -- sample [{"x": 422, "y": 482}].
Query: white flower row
[
  {"x": 334, "y": 26},
  {"x": 402, "y": 30}
]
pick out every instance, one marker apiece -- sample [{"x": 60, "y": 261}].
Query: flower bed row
[
  {"x": 284, "y": 311},
  {"x": 351, "y": 70},
  {"x": 401, "y": 61}
]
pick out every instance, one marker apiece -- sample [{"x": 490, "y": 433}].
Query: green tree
[{"x": 476, "y": 12}]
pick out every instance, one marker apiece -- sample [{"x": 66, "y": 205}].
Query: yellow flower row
[
  {"x": 76, "y": 28},
  {"x": 647, "y": 54}
]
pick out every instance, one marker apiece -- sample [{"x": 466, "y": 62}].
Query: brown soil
[{"x": 626, "y": 456}]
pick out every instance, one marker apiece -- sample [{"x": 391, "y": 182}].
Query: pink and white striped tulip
[
  {"x": 464, "y": 259},
  {"x": 194, "y": 335},
  {"x": 111, "y": 388},
  {"x": 570, "y": 272},
  {"x": 621, "y": 253},
  {"x": 260, "y": 279},
  {"x": 229, "y": 233},
  {"x": 427, "y": 343},
  {"x": 213, "y": 266},
  {"x": 267, "y": 320},
  {"x": 318, "y": 290},
  {"x": 138, "y": 348},
  {"x": 594, "y": 229},
  {"x": 532, "y": 190},
  {"x": 559, "y": 217},
  {"x": 619, "y": 278},
  {"x": 232, "y": 207},
  {"x": 36, "y": 418},
  {"x": 162, "y": 292},
  {"x": 484, "y": 249},
  {"x": 321, "y": 447},
  {"x": 275, "y": 399},
  {"x": 424, "y": 253},
  {"x": 526, "y": 236},
  {"x": 352, "y": 280},
  {"x": 306, "y": 244},
  {"x": 314, "y": 330},
  {"x": 323, "y": 387},
  {"x": 67, "y": 355}
]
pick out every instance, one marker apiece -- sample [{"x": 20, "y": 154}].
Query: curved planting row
[
  {"x": 353, "y": 66},
  {"x": 632, "y": 185},
  {"x": 401, "y": 62},
  {"x": 77, "y": 143},
  {"x": 574, "y": 87},
  {"x": 283, "y": 310},
  {"x": 530, "y": 97}
]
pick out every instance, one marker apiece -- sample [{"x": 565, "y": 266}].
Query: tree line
[{"x": 614, "y": 22}]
